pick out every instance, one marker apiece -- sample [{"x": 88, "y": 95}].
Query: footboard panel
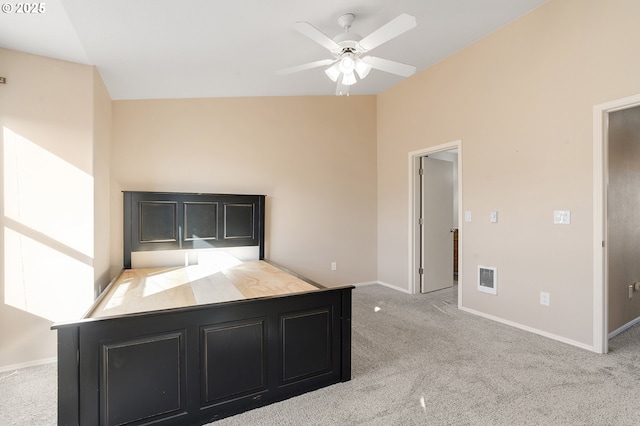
[{"x": 195, "y": 365}]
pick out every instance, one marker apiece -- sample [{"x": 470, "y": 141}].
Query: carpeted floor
[
  {"x": 418, "y": 360},
  {"x": 29, "y": 396}
]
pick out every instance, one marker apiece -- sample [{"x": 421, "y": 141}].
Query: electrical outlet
[
  {"x": 545, "y": 298},
  {"x": 334, "y": 266}
]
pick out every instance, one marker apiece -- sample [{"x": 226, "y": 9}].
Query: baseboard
[
  {"x": 509, "y": 323},
  {"x": 403, "y": 290},
  {"x": 366, "y": 283},
  {"x": 531, "y": 330},
  {"x": 625, "y": 327},
  {"x": 12, "y": 367}
]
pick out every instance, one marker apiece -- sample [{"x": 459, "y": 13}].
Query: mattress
[{"x": 151, "y": 289}]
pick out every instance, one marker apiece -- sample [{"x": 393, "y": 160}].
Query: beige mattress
[{"x": 150, "y": 289}]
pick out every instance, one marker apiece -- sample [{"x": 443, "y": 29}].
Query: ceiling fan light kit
[
  {"x": 346, "y": 66},
  {"x": 333, "y": 72},
  {"x": 348, "y": 49},
  {"x": 362, "y": 68}
]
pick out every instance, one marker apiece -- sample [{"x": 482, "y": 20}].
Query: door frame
[
  {"x": 600, "y": 246},
  {"x": 414, "y": 214}
]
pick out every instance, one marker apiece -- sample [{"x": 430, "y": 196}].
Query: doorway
[
  {"x": 433, "y": 225},
  {"x": 623, "y": 219},
  {"x": 611, "y": 291}
]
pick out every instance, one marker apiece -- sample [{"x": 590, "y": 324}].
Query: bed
[{"x": 199, "y": 325}]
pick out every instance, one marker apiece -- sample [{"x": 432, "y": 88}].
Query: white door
[{"x": 437, "y": 224}]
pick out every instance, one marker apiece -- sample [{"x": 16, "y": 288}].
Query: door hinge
[
  {"x": 602, "y": 243},
  {"x": 421, "y": 221},
  {"x": 420, "y": 271},
  {"x": 421, "y": 171}
]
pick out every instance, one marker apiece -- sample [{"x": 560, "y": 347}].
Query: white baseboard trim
[
  {"x": 531, "y": 330},
  {"x": 366, "y": 283},
  {"x": 391, "y": 286},
  {"x": 625, "y": 327},
  {"x": 12, "y": 367},
  {"x": 403, "y": 290}
]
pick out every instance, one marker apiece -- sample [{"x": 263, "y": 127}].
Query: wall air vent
[{"x": 488, "y": 280}]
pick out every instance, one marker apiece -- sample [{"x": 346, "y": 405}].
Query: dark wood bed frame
[{"x": 197, "y": 364}]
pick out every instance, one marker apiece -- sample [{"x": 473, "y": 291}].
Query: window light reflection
[{"x": 48, "y": 231}]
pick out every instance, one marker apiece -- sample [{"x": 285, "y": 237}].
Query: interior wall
[
  {"x": 521, "y": 100},
  {"x": 47, "y": 136},
  {"x": 102, "y": 184},
  {"x": 623, "y": 220},
  {"x": 313, "y": 157}
]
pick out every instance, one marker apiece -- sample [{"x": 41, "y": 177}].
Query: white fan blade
[
  {"x": 392, "y": 67},
  {"x": 393, "y": 28},
  {"x": 308, "y": 66},
  {"x": 341, "y": 89},
  {"x": 316, "y": 35}
]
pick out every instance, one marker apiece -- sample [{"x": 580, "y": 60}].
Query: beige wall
[
  {"x": 313, "y": 157},
  {"x": 47, "y": 135},
  {"x": 521, "y": 100},
  {"x": 102, "y": 182}
]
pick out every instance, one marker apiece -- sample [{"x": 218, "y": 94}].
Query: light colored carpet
[
  {"x": 418, "y": 360},
  {"x": 28, "y": 396}
]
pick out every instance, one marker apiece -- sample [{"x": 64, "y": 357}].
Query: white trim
[
  {"x": 531, "y": 330},
  {"x": 394, "y": 287},
  {"x": 366, "y": 283},
  {"x": 12, "y": 367},
  {"x": 600, "y": 285},
  {"x": 413, "y": 220},
  {"x": 600, "y": 342}
]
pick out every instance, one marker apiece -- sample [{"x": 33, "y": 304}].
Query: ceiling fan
[{"x": 350, "y": 50}]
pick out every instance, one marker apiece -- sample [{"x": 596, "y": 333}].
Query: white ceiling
[{"x": 146, "y": 49}]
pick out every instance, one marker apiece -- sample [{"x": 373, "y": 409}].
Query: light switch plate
[
  {"x": 562, "y": 217},
  {"x": 493, "y": 217},
  {"x": 467, "y": 216}
]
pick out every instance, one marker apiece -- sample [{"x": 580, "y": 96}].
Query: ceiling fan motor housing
[{"x": 348, "y": 41}]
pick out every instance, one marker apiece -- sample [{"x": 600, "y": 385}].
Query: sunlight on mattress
[
  {"x": 208, "y": 264},
  {"x": 118, "y": 296}
]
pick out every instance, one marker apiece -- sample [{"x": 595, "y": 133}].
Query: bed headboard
[{"x": 156, "y": 221}]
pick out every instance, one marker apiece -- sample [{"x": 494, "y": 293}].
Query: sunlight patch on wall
[
  {"x": 44, "y": 282},
  {"x": 47, "y": 194},
  {"x": 48, "y": 231}
]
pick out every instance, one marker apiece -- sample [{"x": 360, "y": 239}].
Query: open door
[
  {"x": 623, "y": 219},
  {"x": 436, "y": 213}
]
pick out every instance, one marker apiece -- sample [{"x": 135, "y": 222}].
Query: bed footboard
[{"x": 198, "y": 364}]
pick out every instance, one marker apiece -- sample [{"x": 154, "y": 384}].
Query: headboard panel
[{"x": 178, "y": 221}]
